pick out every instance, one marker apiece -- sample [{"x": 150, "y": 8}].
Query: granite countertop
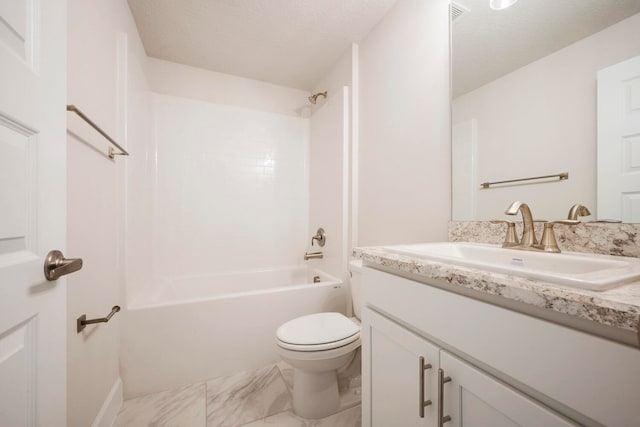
[{"x": 618, "y": 308}]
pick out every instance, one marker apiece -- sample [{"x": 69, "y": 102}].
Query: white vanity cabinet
[
  {"x": 474, "y": 398},
  {"x": 402, "y": 373},
  {"x": 505, "y": 368},
  {"x": 398, "y": 365}
]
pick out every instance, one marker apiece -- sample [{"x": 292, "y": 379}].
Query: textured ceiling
[
  {"x": 286, "y": 42},
  {"x": 488, "y": 44}
]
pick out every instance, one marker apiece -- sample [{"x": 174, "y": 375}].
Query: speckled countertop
[{"x": 618, "y": 308}]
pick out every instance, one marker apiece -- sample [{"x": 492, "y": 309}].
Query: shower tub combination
[{"x": 205, "y": 327}]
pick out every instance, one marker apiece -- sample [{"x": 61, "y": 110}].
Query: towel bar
[
  {"x": 112, "y": 152},
  {"x": 561, "y": 177}
]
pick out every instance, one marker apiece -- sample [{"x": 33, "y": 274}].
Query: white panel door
[
  {"x": 619, "y": 141},
  {"x": 473, "y": 398},
  {"x": 393, "y": 368},
  {"x": 32, "y": 211}
]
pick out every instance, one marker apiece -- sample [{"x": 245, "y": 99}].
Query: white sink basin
[{"x": 585, "y": 271}]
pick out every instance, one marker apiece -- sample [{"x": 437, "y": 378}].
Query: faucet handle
[
  {"x": 511, "y": 238},
  {"x": 548, "y": 242},
  {"x": 320, "y": 237},
  {"x": 578, "y": 210}
]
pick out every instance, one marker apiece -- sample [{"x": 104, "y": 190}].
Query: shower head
[{"x": 314, "y": 98}]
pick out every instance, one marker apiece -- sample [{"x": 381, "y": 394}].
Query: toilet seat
[{"x": 317, "y": 332}]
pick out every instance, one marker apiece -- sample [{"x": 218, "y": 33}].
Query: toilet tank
[{"x": 355, "y": 268}]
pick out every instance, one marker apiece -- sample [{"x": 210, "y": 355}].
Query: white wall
[
  {"x": 541, "y": 119},
  {"x": 404, "y": 142},
  {"x": 170, "y": 78},
  {"x": 329, "y": 165},
  {"x": 105, "y": 80}
]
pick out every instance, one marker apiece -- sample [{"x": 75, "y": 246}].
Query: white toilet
[{"x": 317, "y": 346}]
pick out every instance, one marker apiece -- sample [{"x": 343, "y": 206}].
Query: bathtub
[{"x": 198, "y": 328}]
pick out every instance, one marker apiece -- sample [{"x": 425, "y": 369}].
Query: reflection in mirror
[{"x": 543, "y": 88}]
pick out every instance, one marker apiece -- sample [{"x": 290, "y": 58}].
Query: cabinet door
[
  {"x": 473, "y": 398},
  {"x": 393, "y": 373}
]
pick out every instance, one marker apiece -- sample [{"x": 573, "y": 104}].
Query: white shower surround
[
  {"x": 222, "y": 189},
  {"x": 198, "y": 328},
  {"x": 232, "y": 188},
  {"x": 218, "y": 225}
]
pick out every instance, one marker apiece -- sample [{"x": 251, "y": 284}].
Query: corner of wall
[
  {"x": 404, "y": 153},
  {"x": 109, "y": 411}
]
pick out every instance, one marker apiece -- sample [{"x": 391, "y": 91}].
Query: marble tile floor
[{"x": 251, "y": 399}]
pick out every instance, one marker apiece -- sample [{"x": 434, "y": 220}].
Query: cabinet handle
[
  {"x": 441, "y": 382},
  {"x": 423, "y": 367}
]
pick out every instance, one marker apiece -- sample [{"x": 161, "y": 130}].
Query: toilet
[{"x": 317, "y": 345}]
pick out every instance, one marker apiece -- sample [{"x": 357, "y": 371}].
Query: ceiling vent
[{"x": 457, "y": 11}]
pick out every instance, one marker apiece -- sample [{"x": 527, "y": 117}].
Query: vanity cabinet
[
  {"x": 399, "y": 364},
  {"x": 474, "y": 398},
  {"x": 505, "y": 368},
  {"x": 404, "y": 372}
]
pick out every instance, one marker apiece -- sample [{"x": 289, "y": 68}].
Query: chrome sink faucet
[{"x": 528, "y": 238}]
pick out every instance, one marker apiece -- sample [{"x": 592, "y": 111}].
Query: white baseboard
[{"x": 110, "y": 408}]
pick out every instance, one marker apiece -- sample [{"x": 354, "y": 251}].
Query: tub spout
[{"x": 313, "y": 255}]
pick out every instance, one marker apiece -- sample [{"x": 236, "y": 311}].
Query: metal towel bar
[
  {"x": 112, "y": 153},
  {"x": 561, "y": 176},
  {"x": 83, "y": 322}
]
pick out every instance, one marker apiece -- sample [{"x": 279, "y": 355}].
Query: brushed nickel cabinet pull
[
  {"x": 423, "y": 404},
  {"x": 83, "y": 322},
  {"x": 442, "y": 380},
  {"x": 56, "y": 265}
]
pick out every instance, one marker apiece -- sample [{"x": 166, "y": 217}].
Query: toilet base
[
  {"x": 315, "y": 379},
  {"x": 315, "y": 394}
]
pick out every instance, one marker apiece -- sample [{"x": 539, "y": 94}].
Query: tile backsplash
[{"x": 598, "y": 238}]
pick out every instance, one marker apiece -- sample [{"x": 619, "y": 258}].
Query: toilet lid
[{"x": 319, "y": 328}]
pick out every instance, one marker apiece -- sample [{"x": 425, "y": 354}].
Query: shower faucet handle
[{"x": 320, "y": 237}]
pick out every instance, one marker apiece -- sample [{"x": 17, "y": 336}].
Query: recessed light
[{"x": 501, "y": 4}]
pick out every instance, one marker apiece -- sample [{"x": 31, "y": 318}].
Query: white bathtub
[{"x": 199, "y": 328}]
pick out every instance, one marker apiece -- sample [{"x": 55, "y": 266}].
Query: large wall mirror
[{"x": 542, "y": 89}]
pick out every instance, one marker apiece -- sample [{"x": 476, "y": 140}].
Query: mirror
[{"x": 538, "y": 90}]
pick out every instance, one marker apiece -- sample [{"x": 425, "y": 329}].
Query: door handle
[{"x": 56, "y": 265}]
